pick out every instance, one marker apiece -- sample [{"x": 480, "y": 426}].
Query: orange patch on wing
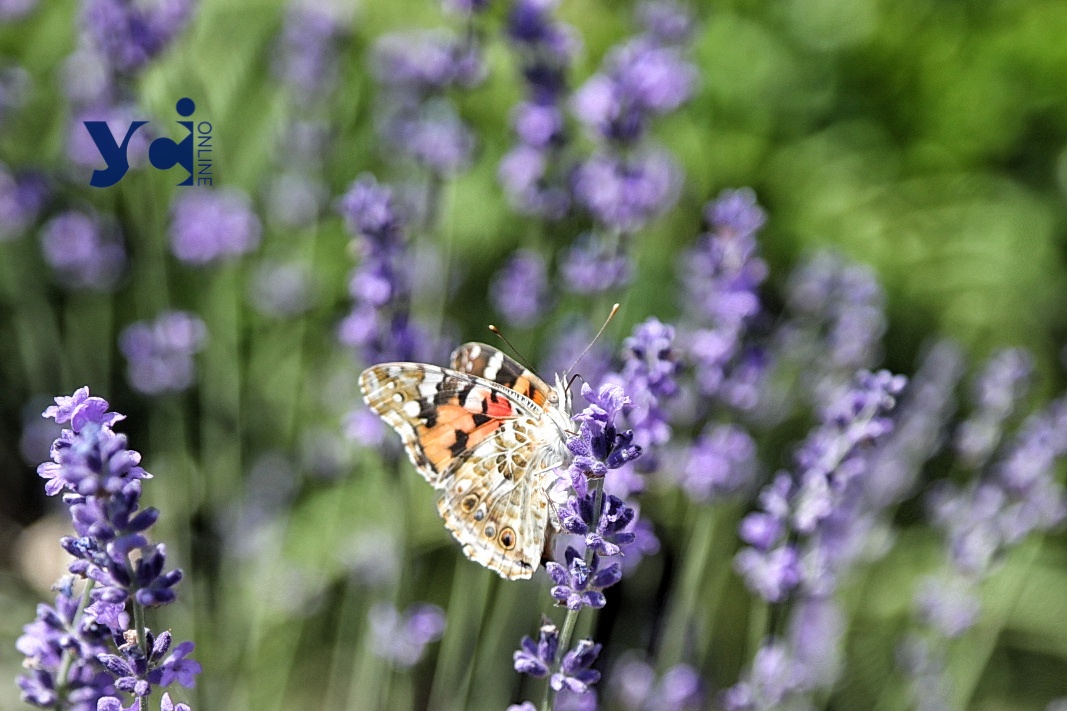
[{"x": 454, "y": 423}]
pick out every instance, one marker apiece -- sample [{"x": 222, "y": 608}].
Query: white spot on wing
[
  {"x": 493, "y": 366},
  {"x": 412, "y": 408}
]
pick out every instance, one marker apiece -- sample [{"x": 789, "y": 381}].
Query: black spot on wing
[
  {"x": 480, "y": 420},
  {"x": 428, "y": 414},
  {"x": 460, "y": 445},
  {"x": 464, "y": 393}
]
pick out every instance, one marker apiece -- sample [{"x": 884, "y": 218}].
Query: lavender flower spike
[{"x": 85, "y": 659}]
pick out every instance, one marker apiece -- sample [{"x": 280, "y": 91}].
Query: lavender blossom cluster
[
  {"x": 604, "y": 524},
  {"x": 91, "y": 648}
]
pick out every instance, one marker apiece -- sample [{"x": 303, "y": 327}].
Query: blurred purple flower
[
  {"x": 996, "y": 392},
  {"x": 722, "y": 276},
  {"x": 665, "y": 21},
  {"x": 839, "y": 319},
  {"x": 464, "y": 7},
  {"x": 22, "y": 196},
  {"x": 919, "y": 430},
  {"x": 625, "y": 193},
  {"x": 87, "y": 80},
  {"x": 130, "y": 34},
  {"x": 13, "y": 10},
  {"x": 402, "y": 638},
  {"x": 519, "y": 290},
  {"x": 950, "y": 606},
  {"x": 431, "y": 133},
  {"x": 308, "y": 48},
  {"x": 806, "y": 523},
  {"x": 532, "y": 172},
  {"x": 773, "y": 677},
  {"x": 282, "y": 290},
  {"x": 81, "y": 252},
  {"x": 14, "y": 89},
  {"x": 159, "y": 353},
  {"x": 212, "y": 225},
  {"x": 721, "y": 463},
  {"x": 524, "y": 173},
  {"x": 592, "y": 265},
  {"x": 379, "y": 327},
  {"x": 639, "y": 688},
  {"x": 425, "y": 61}
]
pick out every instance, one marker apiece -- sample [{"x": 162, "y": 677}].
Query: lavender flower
[
  {"x": 525, "y": 174},
  {"x": 997, "y": 390},
  {"x": 720, "y": 463},
  {"x": 160, "y": 353},
  {"x": 640, "y": 79},
  {"x": 638, "y": 688},
  {"x": 402, "y": 638},
  {"x": 379, "y": 327},
  {"x": 574, "y": 673},
  {"x": 131, "y": 34},
  {"x": 831, "y": 462},
  {"x": 919, "y": 428},
  {"x": 82, "y": 253},
  {"x": 648, "y": 373},
  {"x": 625, "y": 193},
  {"x": 773, "y": 677},
  {"x": 308, "y": 48},
  {"x": 520, "y": 289},
  {"x": 578, "y": 583},
  {"x": 949, "y": 606},
  {"x": 593, "y": 265},
  {"x": 532, "y": 172},
  {"x": 606, "y": 523},
  {"x": 839, "y": 319},
  {"x": 419, "y": 121},
  {"x": 212, "y": 225},
  {"x": 21, "y": 198},
  {"x": 14, "y": 90},
  {"x": 537, "y": 658},
  {"x": 82, "y": 658},
  {"x": 13, "y": 10},
  {"x": 425, "y": 61},
  {"x": 722, "y": 276}
]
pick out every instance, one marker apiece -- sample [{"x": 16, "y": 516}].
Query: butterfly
[{"x": 487, "y": 434}]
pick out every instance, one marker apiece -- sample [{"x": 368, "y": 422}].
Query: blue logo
[{"x": 193, "y": 152}]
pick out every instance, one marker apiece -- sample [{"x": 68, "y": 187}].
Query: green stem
[
  {"x": 138, "y": 621},
  {"x": 687, "y": 595}
]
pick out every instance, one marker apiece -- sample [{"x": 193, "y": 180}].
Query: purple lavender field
[{"x": 814, "y": 461}]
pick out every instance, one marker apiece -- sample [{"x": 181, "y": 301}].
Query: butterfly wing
[
  {"x": 476, "y": 440},
  {"x": 495, "y": 504},
  {"x": 490, "y": 363},
  {"x": 440, "y": 414}
]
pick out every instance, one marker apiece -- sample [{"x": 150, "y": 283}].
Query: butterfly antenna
[
  {"x": 614, "y": 310},
  {"x": 524, "y": 359}
]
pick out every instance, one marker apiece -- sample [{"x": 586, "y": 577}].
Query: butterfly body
[{"x": 487, "y": 434}]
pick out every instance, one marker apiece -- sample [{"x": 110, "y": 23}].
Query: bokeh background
[{"x": 926, "y": 139}]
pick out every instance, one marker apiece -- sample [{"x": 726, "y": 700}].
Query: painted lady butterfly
[{"x": 487, "y": 434}]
